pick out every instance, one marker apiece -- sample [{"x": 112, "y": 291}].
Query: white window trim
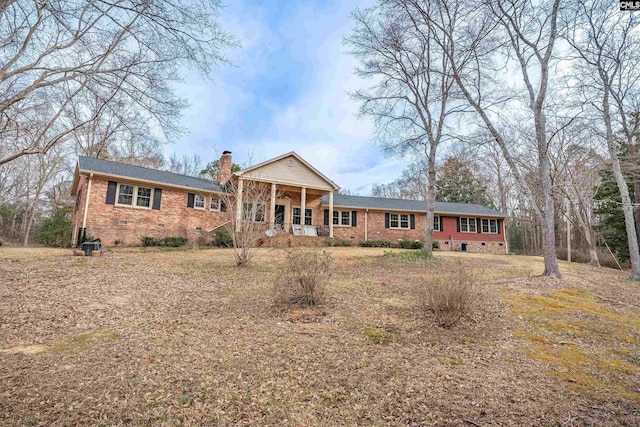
[
  {"x": 204, "y": 202},
  {"x": 302, "y": 217},
  {"x": 340, "y": 224},
  {"x": 482, "y": 220},
  {"x": 400, "y": 227},
  {"x": 212, "y": 198},
  {"x": 475, "y": 225},
  {"x": 439, "y": 223},
  {"x": 134, "y": 200}
]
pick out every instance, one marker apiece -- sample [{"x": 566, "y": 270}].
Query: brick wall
[
  {"x": 128, "y": 224},
  {"x": 493, "y": 243}
]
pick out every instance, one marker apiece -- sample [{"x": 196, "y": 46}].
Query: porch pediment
[{"x": 289, "y": 169}]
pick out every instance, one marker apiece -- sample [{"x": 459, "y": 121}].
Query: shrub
[
  {"x": 223, "y": 238},
  {"x": 170, "y": 241},
  {"x": 436, "y": 244},
  {"x": 55, "y": 231},
  {"x": 451, "y": 297},
  {"x": 173, "y": 241},
  {"x": 410, "y": 244},
  {"x": 333, "y": 243},
  {"x": 307, "y": 273},
  {"x": 375, "y": 244},
  {"x": 148, "y": 241}
]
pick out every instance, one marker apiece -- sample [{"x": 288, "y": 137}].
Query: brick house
[{"x": 120, "y": 203}]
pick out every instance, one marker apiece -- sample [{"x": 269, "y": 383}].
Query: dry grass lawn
[{"x": 184, "y": 338}]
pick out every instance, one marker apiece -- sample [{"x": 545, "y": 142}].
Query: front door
[{"x": 279, "y": 216}]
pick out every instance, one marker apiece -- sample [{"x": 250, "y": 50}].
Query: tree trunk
[
  {"x": 551, "y": 267},
  {"x": 627, "y": 208},
  {"x": 431, "y": 199}
]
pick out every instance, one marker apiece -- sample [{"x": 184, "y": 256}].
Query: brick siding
[{"x": 128, "y": 225}]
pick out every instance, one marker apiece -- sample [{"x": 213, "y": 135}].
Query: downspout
[
  {"x": 86, "y": 206},
  {"x": 366, "y": 226}
]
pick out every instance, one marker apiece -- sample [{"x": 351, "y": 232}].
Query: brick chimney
[{"x": 224, "y": 171}]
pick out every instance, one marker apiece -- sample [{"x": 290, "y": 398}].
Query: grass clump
[
  {"x": 378, "y": 335},
  {"x": 306, "y": 275},
  {"x": 412, "y": 256},
  {"x": 451, "y": 297}
]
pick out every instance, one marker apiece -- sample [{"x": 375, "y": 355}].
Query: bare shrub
[
  {"x": 246, "y": 228},
  {"x": 306, "y": 275},
  {"x": 451, "y": 296}
]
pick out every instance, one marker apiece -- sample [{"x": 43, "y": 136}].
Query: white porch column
[
  {"x": 272, "y": 207},
  {"x": 303, "y": 205},
  {"x": 331, "y": 214},
  {"x": 366, "y": 225},
  {"x": 239, "y": 204}
]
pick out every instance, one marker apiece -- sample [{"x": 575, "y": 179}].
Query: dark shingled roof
[
  {"x": 90, "y": 164},
  {"x": 379, "y": 203}
]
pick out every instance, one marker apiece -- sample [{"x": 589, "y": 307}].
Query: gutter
[{"x": 146, "y": 181}]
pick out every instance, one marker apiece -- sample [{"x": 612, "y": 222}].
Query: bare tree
[
  {"x": 64, "y": 65},
  {"x": 577, "y": 167},
  {"x": 185, "y": 165},
  {"x": 608, "y": 47},
  {"x": 246, "y": 203},
  {"x": 410, "y": 185},
  {"x": 480, "y": 42},
  {"x": 413, "y": 97}
]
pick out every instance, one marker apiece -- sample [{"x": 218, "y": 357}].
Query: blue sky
[{"x": 287, "y": 91}]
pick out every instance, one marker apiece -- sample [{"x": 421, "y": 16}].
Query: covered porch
[{"x": 293, "y": 204}]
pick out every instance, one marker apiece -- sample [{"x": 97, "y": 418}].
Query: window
[
  {"x": 398, "y": 220},
  {"x": 144, "y": 197},
  {"x": 215, "y": 204},
  {"x": 468, "y": 225},
  {"x": 253, "y": 212},
  {"x": 345, "y": 218},
  {"x": 436, "y": 223},
  {"x": 308, "y": 216},
  {"x": 199, "y": 201},
  {"x": 490, "y": 226},
  {"x": 125, "y": 195},
  {"x": 341, "y": 218},
  {"x": 128, "y": 193}
]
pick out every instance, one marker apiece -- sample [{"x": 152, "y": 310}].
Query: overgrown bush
[
  {"x": 306, "y": 275},
  {"x": 223, "y": 238},
  {"x": 451, "y": 297},
  {"x": 410, "y": 244},
  {"x": 170, "y": 241},
  {"x": 55, "y": 231},
  {"x": 376, "y": 244}
]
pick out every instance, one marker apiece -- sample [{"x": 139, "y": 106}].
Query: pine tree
[{"x": 457, "y": 183}]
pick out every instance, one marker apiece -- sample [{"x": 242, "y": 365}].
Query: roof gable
[
  {"x": 289, "y": 169},
  {"x": 139, "y": 173},
  {"x": 379, "y": 203}
]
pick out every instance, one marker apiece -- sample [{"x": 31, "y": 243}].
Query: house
[{"x": 121, "y": 203}]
